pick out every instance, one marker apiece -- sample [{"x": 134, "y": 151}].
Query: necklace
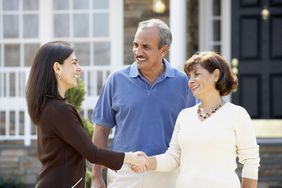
[{"x": 205, "y": 115}]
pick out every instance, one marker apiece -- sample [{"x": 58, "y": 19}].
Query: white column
[
  {"x": 116, "y": 30},
  {"x": 177, "y": 20},
  {"x": 45, "y": 20}
]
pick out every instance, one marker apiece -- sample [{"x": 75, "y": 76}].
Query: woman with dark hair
[
  {"x": 63, "y": 143},
  {"x": 209, "y": 136}
]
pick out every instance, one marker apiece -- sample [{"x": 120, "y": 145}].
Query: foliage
[
  {"x": 75, "y": 96},
  {"x": 88, "y": 126},
  {"x": 88, "y": 179}
]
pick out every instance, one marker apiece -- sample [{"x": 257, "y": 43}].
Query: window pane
[
  {"x": 21, "y": 120},
  {"x": 81, "y": 4},
  {"x": 10, "y": 4},
  {"x": 12, "y": 85},
  {"x": 101, "y": 4},
  {"x": 30, "y": 26},
  {"x": 12, "y": 55},
  {"x": 102, "y": 53},
  {"x": 216, "y": 30},
  {"x": 61, "y": 4},
  {"x": 30, "y": 5},
  {"x": 217, "y": 48},
  {"x": 2, "y": 122},
  {"x": 101, "y": 25},
  {"x": 12, "y": 122},
  {"x": 29, "y": 53},
  {"x": 11, "y": 26},
  {"x": 61, "y": 25},
  {"x": 82, "y": 51},
  {"x": 216, "y": 7},
  {"x": 81, "y": 25}
]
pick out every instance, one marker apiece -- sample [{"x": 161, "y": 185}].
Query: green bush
[
  {"x": 88, "y": 179},
  {"x": 75, "y": 96},
  {"x": 88, "y": 126}
]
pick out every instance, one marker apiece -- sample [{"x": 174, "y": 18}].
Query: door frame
[{"x": 270, "y": 128}]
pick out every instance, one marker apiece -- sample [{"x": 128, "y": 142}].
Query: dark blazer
[{"x": 63, "y": 145}]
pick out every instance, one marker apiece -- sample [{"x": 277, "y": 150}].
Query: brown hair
[
  {"x": 210, "y": 61},
  {"x": 42, "y": 80}
]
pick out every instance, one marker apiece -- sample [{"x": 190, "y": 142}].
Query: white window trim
[
  {"x": 226, "y": 29},
  {"x": 205, "y": 25},
  {"x": 206, "y": 28}
]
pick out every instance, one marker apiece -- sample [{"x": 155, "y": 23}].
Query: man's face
[{"x": 146, "y": 49}]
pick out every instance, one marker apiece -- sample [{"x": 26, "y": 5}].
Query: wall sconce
[
  {"x": 265, "y": 13},
  {"x": 159, "y": 6}
]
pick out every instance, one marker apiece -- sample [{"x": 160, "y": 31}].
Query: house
[{"x": 246, "y": 32}]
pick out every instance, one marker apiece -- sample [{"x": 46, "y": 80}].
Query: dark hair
[
  {"x": 42, "y": 79},
  {"x": 164, "y": 31},
  {"x": 210, "y": 61}
]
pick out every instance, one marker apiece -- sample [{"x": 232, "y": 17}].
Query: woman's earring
[{"x": 59, "y": 77}]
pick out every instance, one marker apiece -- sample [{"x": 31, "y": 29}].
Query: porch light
[{"x": 159, "y": 6}]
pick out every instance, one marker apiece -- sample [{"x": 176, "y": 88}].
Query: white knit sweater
[{"x": 206, "y": 151}]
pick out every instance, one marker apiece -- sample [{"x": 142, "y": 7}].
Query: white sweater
[{"x": 206, "y": 151}]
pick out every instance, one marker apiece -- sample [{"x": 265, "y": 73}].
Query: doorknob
[{"x": 234, "y": 65}]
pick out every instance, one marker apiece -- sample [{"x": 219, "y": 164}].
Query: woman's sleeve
[
  {"x": 69, "y": 128},
  {"x": 170, "y": 160},
  {"x": 247, "y": 148}
]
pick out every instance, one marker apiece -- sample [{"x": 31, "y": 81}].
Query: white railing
[{"x": 15, "y": 123}]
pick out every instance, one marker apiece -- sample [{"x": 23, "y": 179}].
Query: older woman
[
  {"x": 63, "y": 143},
  {"x": 209, "y": 137}
]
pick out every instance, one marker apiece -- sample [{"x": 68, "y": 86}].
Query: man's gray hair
[{"x": 165, "y": 34}]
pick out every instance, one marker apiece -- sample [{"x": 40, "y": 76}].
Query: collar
[{"x": 169, "y": 71}]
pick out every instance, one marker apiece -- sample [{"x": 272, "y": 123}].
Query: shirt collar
[{"x": 169, "y": 72}]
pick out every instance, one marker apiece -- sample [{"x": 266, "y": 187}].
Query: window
[
  {"x": 87, "y": 23},
  {"x": 93, "y": 27},
  {"x": 19, "y": 32}
]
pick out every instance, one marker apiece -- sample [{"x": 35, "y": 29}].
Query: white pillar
[
  {"x": 45, "y": 21},
  {"x": 116, "y": 19},
  {"x": 177, "y": 20}
]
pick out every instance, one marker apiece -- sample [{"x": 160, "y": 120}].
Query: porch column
[{"x": 177, "y": 22}]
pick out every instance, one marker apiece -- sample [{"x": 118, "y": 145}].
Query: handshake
[{"x": 139, "y": 161}]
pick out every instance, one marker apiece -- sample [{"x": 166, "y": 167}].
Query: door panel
[
  {"x": 249, "y": 40},
  {"x": 249, "y": 92},
  {"x": 276, "y": 37},
  {"x": 276, "y": 93},
  {"x": 257, "y": 44}
]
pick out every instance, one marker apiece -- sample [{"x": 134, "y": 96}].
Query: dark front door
[{"x": 257, "y": 47}]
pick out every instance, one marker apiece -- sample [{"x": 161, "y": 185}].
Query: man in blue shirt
[{"x": 142, "y": 102}]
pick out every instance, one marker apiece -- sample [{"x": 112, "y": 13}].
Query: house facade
[{"x": 246, "y": 32}]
